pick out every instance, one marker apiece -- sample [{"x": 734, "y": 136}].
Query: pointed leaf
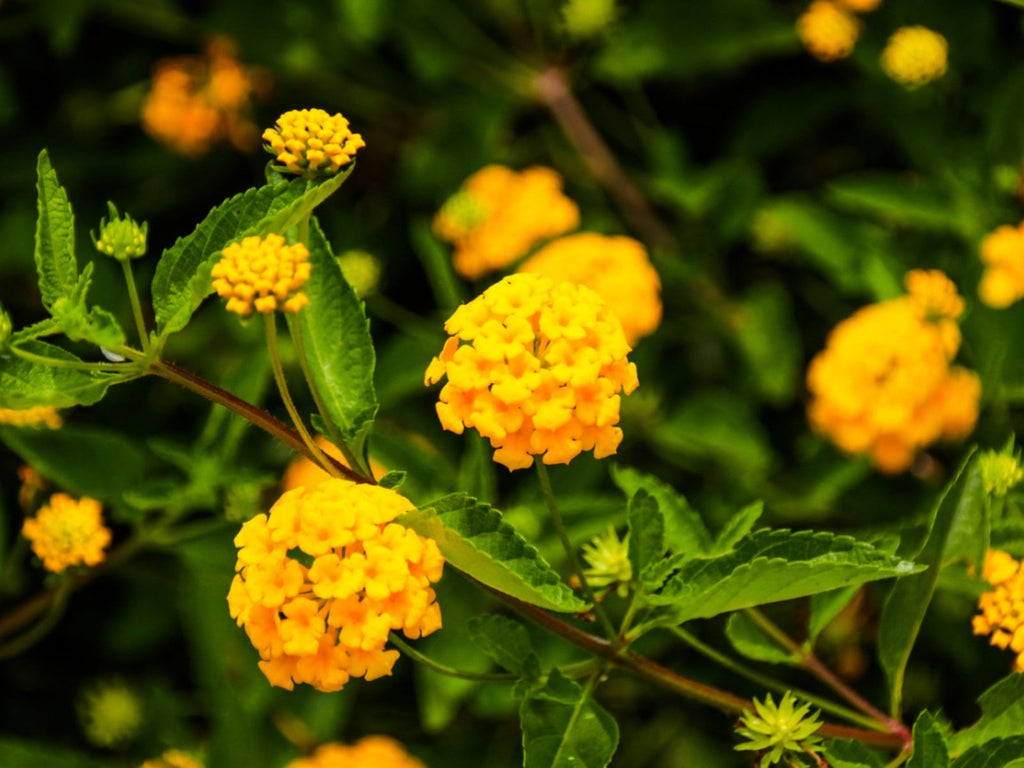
[
  {"x": 738, "y": 526},
  {"x": 474, "y": 539},
  {"x": 685, "y": 531},
  {"x": 997, "y": 753},
  {"x": 848, "y": 753},
  {"x": 1002, "y": 714},
  {"x": 24, "y": 384},
  {"x": 750, "y": 640},
  {"x": 32, "y": 754},
  {"x": 506, "y": 641},
  {"x": 930, "y": 749},
  {"x": 81, "y": 323},
  {"x": 646, "y": 530},
  {"x": 564, "y": 728},
  {"x": 55, "y": 236}
]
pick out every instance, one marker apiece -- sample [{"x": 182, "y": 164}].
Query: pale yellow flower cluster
[
  {"x": 1002, "y": 608},
  {"x": 262, "y": 273},
  {"x": 368, "y": 752},
  {"x": 914, "y": 56},
  {"x": 67, "y": 532}
]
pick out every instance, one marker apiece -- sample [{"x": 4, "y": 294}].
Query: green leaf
[
  {"x": 930, "y": 749},
  {"x": 81, "y": 323},
  {"x": 825, "y": 606},
  {"x": 300, "y": 207},
  {"x": 738, "y": 526},
  {"x": 564, "y": 728},
  {"x": 908, "y": 601},
  {"x": 474, "y": 539},
  {"x": 55, "y": 236},
  {"x": 506, "y": 641},
  {"x": 848, "y": 753},
  {"x": 31, "y": 754},
  {"x": 1002, "y": 714},
  {"x": 80, "y": 460},
  {"x": 336, "y": 338},
  {"x": 646, "y": 530},
  {"x": 769, "y": 566},
  {"x": 767, "y": 335},
  {"x": 685, "y": 531},
  {"x": 895, "y": 200},
  {"x": 997, "y": 753},
  {"x": 750, "y": 640},
  {"x": 25, "y": 383}
]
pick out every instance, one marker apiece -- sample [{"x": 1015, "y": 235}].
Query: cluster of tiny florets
[
  {"x": 325, "y": 576},
  {"x": 827, "y": 30},
  {"x": 884, "y": 385},
  {"x": 1002, "y": 252},
  {"x": 914, "y": 56},
  {"x": 499, "y": 215},
  {"x": 110, "y": 713},
  {"x": 262, "y": 273},
  {"x": 36, "y": 416},
  {"x": 615, "y": 267},
  {"x": 312, "y": 142},
  {"x": 67, "y": 532},
  {"x": 368, "y": 752},
  {"x": 1001, "y": 610},
  {"x": 536, "y": 367}
]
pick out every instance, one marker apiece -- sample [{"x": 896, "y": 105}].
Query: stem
[
  {"x": 43, "y": 627},
  {"x": 246, "y": 410},
  {"x": 444, "y": 669},
  {"x": 133, "y": 297},
  {"x": 78, "y": 365},
  {"x": 574, "y": 563}
]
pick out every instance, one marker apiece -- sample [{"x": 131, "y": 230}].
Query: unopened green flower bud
[
  {"x": 5, "y": 328},
  {"x": 1000, "y": 471},
  {"x": 121, "y": 238},
  {"x": 608, "y": 559},
  {"x": 361, "y": 270},
  {"x": 777, "y": 729},
  {"x": 110, "y": 713},
  {"x": 585, "y": 19}
]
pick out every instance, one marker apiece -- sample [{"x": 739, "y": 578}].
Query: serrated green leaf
[
  {"x": 685, "y": 531},
  {"x": 80, "y": 460},
  {"x": 506, "y": 641},
  {"x": 646, "y": 530},
  {"x": 302, "y": 206},
  {"x": 930, "y": 749},
  {"x": 474, "y": 539},
  {"x": 25, "y": 383},
  {"x": 738, "y": 526},
  {"x": 997, "y": 753},
  {"x": 31, "y": 754},
  {"x": 908, "y": 601},
  {"x": 768, "y": 566},
  {"x": 750, "y": 640},
  {"x": 45, "y": 327},
  {"x": 55, "y": 236},
  {"x": 336, "y": 337},
  {"x": 564, "y": 728},
  {"x": 94, "y": 324},
  {"x": 1002, "y": 714},
  {"x": 848, "y": 753}
]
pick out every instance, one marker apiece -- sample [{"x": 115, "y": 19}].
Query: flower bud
[
  {"x": 122, "y": 238},
  {"x": 1000, "y": 471},
  {"x": 361, "y": 270}
]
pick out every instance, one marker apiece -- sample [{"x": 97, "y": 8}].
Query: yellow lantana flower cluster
[
  {"x": 884, "y": 386},
  {"x": 36, "y": 416},
  {"x": 617, "y": 268},
  {"x": 1002, "y": 251},
  {"x": 368, "y": 752},
  {"x": 499, "y": 215},
  {"x": 536, "y": 367},
  {"x": 325, "y": 576},
  {"x": 196, "y": 101},
  {"x": 262, "y": 273},
  {"x": 312, "y": 142},
  {"x": 914, "y": 56},
  {"x": 827, "y": 30},
  {"x": 67, "y": 532},
  {"x": 1002, "y": 609}
]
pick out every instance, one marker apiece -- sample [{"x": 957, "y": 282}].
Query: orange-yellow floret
[
  {"x": 1002, "y": 252},
  {"x": 859, "y": 6},
  {"x": 499, "y": 214},
  {"x": 884, "y": 386},
  {"x": 616, "y": 268},
  {"x": 325, "y": 576},
  {"x": 302, "y": 471},
  {"x": 536, "y": 367},
  {"x": 827, "y": 31},
  {"x": 262, "y": 274},
  {"x": 67, "y": 532},
  {"x": 914, "y": 56},
  {"x": 1001, "y": 610},
  {"x": 312, "y": 142},
  {"x": 173, "y": 758},
  {"x": 36, "y": 416},
  {"x": 368, "y": 752}
]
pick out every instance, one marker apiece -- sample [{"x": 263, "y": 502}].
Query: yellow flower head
[
  {"x": 67, "y": 532},
  {"x": 883, "y": 386},
  {"x": 311, "y": 142},
  {"x": 499, "y": 215},
  {"x": 262, "y": 273},
  {"x": 37, "y": 416},
  {"x": 915, "y": 56},
  {"x": 173, "y": 758},
  {"x": 1001, "y": 610},
  {"x": 325, "y": 576},
  {"x": 860, "y": 6},
  {"x": 539, "y": 372},
  {"x": 616, "y": 268},
  {"x": 368, "y": 752},
  {"x": 1002, "y": 252},
  {"x": 827, "y": 31},
  {"x": 110, "y": 713},
  {"x": 303, "y": 472}
]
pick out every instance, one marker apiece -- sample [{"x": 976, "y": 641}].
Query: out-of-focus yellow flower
[
  {"x": 197, "y": 101},
  {"x": 36, "y": 416},
  {"x": 361, "y": 270},
  {"x": 915, "y": 56},
  {"x": 1000, "y": 471},
  {"x": 67, "y": 531},
  {"x": 616, "y": 268},
  {"x": 303, "y": 472},
  {"x": 499, "y": 215},
  {"x": 312, "y": 142},
  {"x": 883, "y": 386},
  {"x": 1002, "y": 609},
  {"x": 368, "y": 752},
  {"x": 173, "y": 758},
  {"x": 539, "y": 373},
  {"x": 584, "y": 19},
  {"x": 110, "y": 713},
  {"x": 1002, "y": 252},
  {"x": 325, "y": 576},
  {"x": 262, "y": 273},
  {"x": 859, "y": 6},
  {"x": 827, "y": 31}
]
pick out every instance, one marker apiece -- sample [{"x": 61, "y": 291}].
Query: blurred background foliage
[{"x": 789, "y": 192}]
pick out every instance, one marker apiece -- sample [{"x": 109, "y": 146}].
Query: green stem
[
  {"x": 772, "y": 684},
  {"x": 77, "y": 365},
  {"x": 133, "y": 297},
  {"x": 570, "y": 552},
  {"x": 44, "y": 626},
  {"x": 444, "y": 669}
]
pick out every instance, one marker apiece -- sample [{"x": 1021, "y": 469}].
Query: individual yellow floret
[
  {"x": 36, "y": 416},
  {"x": 883, "y": 386},
  {"x": 368, "y": 752},
  {"x": 312, "y": 142},
  {"x": 827, "y": 31},
  {"x": 915, "y": 56},
  {"x": 1002, "y": 252},
  {"x": 536, "y": 367},
  {"x": 616, "y": 268},
  {"x": 262, "y": 273},
  {"x": 67, "y": 532},
  {"x": 1001, "y": 610},
  {"x": 325, "y": 576},
  {"x": 499, "y": 215}
]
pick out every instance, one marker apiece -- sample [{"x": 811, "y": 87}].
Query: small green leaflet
[
  {"x": 1002, "y": 714},
  {"x": 55, "y": 236},
  {"x": 930, "y": 749},
  {"x": 24, "y": 384},
  {"x": 507, "y": 642},
  {"x": 685, "y": 531}
]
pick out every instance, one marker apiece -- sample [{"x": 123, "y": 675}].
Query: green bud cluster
[{"x": 122, "y": 238}]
